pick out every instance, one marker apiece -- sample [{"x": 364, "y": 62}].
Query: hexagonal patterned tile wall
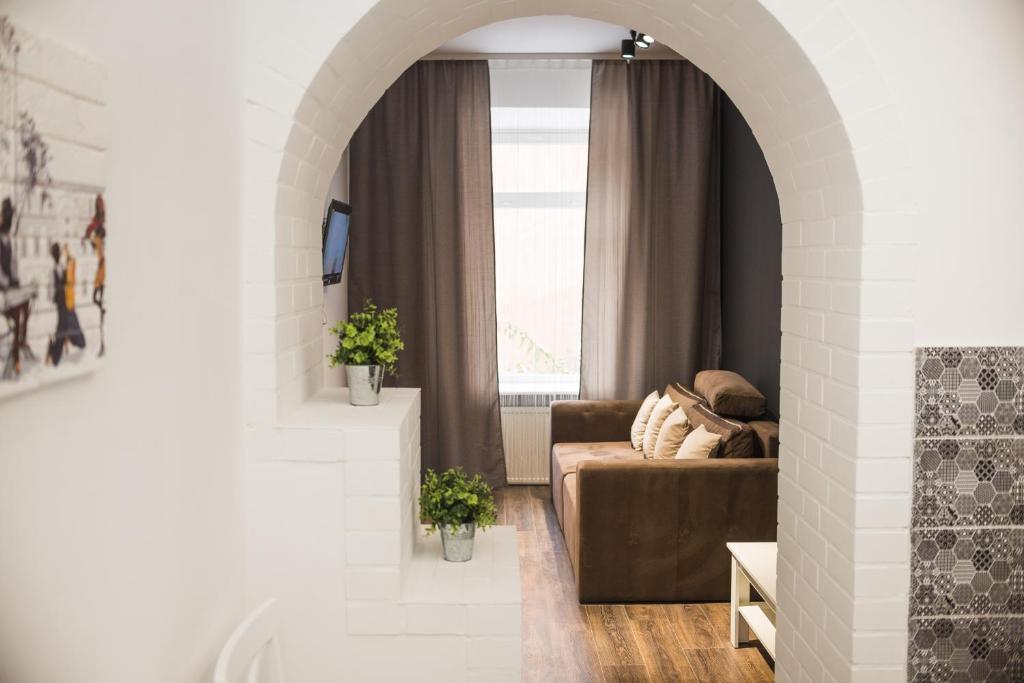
[
  {"x": 967, "y": 537},
  {"x": 969, "y": 482},
  {"x": 967, "y": 571},
  {"x": 970, "y": 391},
  {"x": 967, "y": 649}
]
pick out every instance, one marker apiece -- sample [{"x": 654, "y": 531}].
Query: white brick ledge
[{"x": 335, "y": 536}]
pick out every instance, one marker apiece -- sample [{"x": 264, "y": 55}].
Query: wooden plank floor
[{"x": 565, "y": 642}]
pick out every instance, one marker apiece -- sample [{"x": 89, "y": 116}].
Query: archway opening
[{"x": 816, "y": 124}]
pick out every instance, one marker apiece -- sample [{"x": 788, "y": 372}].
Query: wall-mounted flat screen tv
[{"x": 335, "y": 240}]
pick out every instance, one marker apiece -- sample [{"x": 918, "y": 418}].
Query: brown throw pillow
[
  {"x": 737, "y": 437},
  {"x": 673, "y": 431},
  {"x": 727, "y": 393},
  {"x": 700, "y": 443},
  {"x": 683, "y": 396}
]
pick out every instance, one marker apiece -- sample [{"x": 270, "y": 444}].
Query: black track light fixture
[
  {"x": 642, "y": 40},
  {"x": 628, "y": 50},
  {"x": 636, "y": 40}
]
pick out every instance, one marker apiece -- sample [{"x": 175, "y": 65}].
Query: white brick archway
[{"x": 820, "y": 109}]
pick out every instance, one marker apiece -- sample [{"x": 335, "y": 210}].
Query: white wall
[
  {"x": 120, "y": 493},
  {"x": 956, "y": 72}
]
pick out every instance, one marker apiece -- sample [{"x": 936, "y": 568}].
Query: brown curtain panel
[
  {"x": 651, "y": 276},
  {"x": 423, "y": 240}
]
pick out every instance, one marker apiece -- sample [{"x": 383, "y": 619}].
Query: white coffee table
[{"x": 753, "y": 564}]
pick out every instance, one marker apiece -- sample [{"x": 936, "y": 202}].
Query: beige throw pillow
[
  {"x": 673, "y": 431},
  {"x": 662, "y": 409},
  {"x": 699, "y": 444},
  {"x": 636, "y": 432}
]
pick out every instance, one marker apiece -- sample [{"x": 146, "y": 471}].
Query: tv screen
[{"x": 335, "y": 240}]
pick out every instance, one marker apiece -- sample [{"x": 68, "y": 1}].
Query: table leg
[{"x": 740, "y": 596}]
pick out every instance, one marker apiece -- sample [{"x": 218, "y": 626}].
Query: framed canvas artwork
[{"x": 53, "y": 215}]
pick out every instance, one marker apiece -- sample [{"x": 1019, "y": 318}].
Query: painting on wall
[{"x": 53, "y": 227}]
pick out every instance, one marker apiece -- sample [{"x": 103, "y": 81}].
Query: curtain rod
[{"x": 526, "y": 56}]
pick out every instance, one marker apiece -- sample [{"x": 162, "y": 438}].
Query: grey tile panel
[
  {"x": 968, "y": 482},
  {"x": 967, "y": 522},
  {"x": 967, "y": 571},
  {"x": 966, "y": 649},
  {"x": 971, "y": 391}
]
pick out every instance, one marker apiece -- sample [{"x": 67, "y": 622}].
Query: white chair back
[{"x": 252, "y": 653}]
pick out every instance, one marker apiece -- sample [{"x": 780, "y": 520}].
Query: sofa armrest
[
  {"x": 656, "y": 530},
  {"x": 767, "y": 433},
  {"x": 589, "y": 421}
]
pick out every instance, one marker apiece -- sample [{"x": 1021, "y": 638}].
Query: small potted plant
[
  {"x": 458, "y": 504},
  {"x": 368, "y": 346}
]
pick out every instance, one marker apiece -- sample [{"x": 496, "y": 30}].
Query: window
[{"x": 539, "y": 122}]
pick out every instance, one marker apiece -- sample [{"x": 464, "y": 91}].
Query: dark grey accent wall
[{"x": 751, "y": 259}]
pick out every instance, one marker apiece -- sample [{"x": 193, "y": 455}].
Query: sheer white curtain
[{"x": 539, "y": 125}]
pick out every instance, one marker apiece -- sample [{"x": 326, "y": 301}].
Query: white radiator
[{"x": 526, "y": 435}]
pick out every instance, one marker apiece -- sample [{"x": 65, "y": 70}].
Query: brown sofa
[{"x": 653, "y": 530}]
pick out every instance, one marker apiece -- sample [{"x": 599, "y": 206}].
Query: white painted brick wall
[
  {"x": 373, "y": 583},
  {"x": 436, "y": 619},
  {"x": 332, "y": 521},
  {"x": 494, "y": 620},
  {"x": 375, "y": 619},
  {"x": 821, "y": 110},
  {"x": 372, "y": 548},
  {"x": 493, "y": 652},
  {"x": 365, "y": 513},
  {"x": 372, "y": 478}
]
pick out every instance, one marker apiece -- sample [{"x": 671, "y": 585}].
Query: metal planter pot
[
  {"x": 458, "y": 542},
  {"x": 364, "y": 384}
]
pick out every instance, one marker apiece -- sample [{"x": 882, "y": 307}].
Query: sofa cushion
[
  {"x": 655, "y": 530},
  {"x": 636, "y": 432},
  {"x": 662, "y": 409},
  {"x": 737, "y": 437},
  {"x": 682, "y": 395},
  {"x": 672, "y": 433},
  {"x": 566, "y": 456},
  {"x": 728, "y": 393}
]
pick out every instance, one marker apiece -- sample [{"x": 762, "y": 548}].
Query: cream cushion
[
  {"x": 699, "y": 443},
  {"x": 662, "y": 409},
  {"x": 673, "y": 431},
  {"x": 636, "y": 432}
]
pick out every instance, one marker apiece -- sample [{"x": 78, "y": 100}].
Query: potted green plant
[
  {"x": 368, "y": 346},
  {"x": 457, "y": 504}
]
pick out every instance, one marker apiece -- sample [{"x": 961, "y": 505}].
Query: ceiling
[{"x": 546, "y": 35}]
